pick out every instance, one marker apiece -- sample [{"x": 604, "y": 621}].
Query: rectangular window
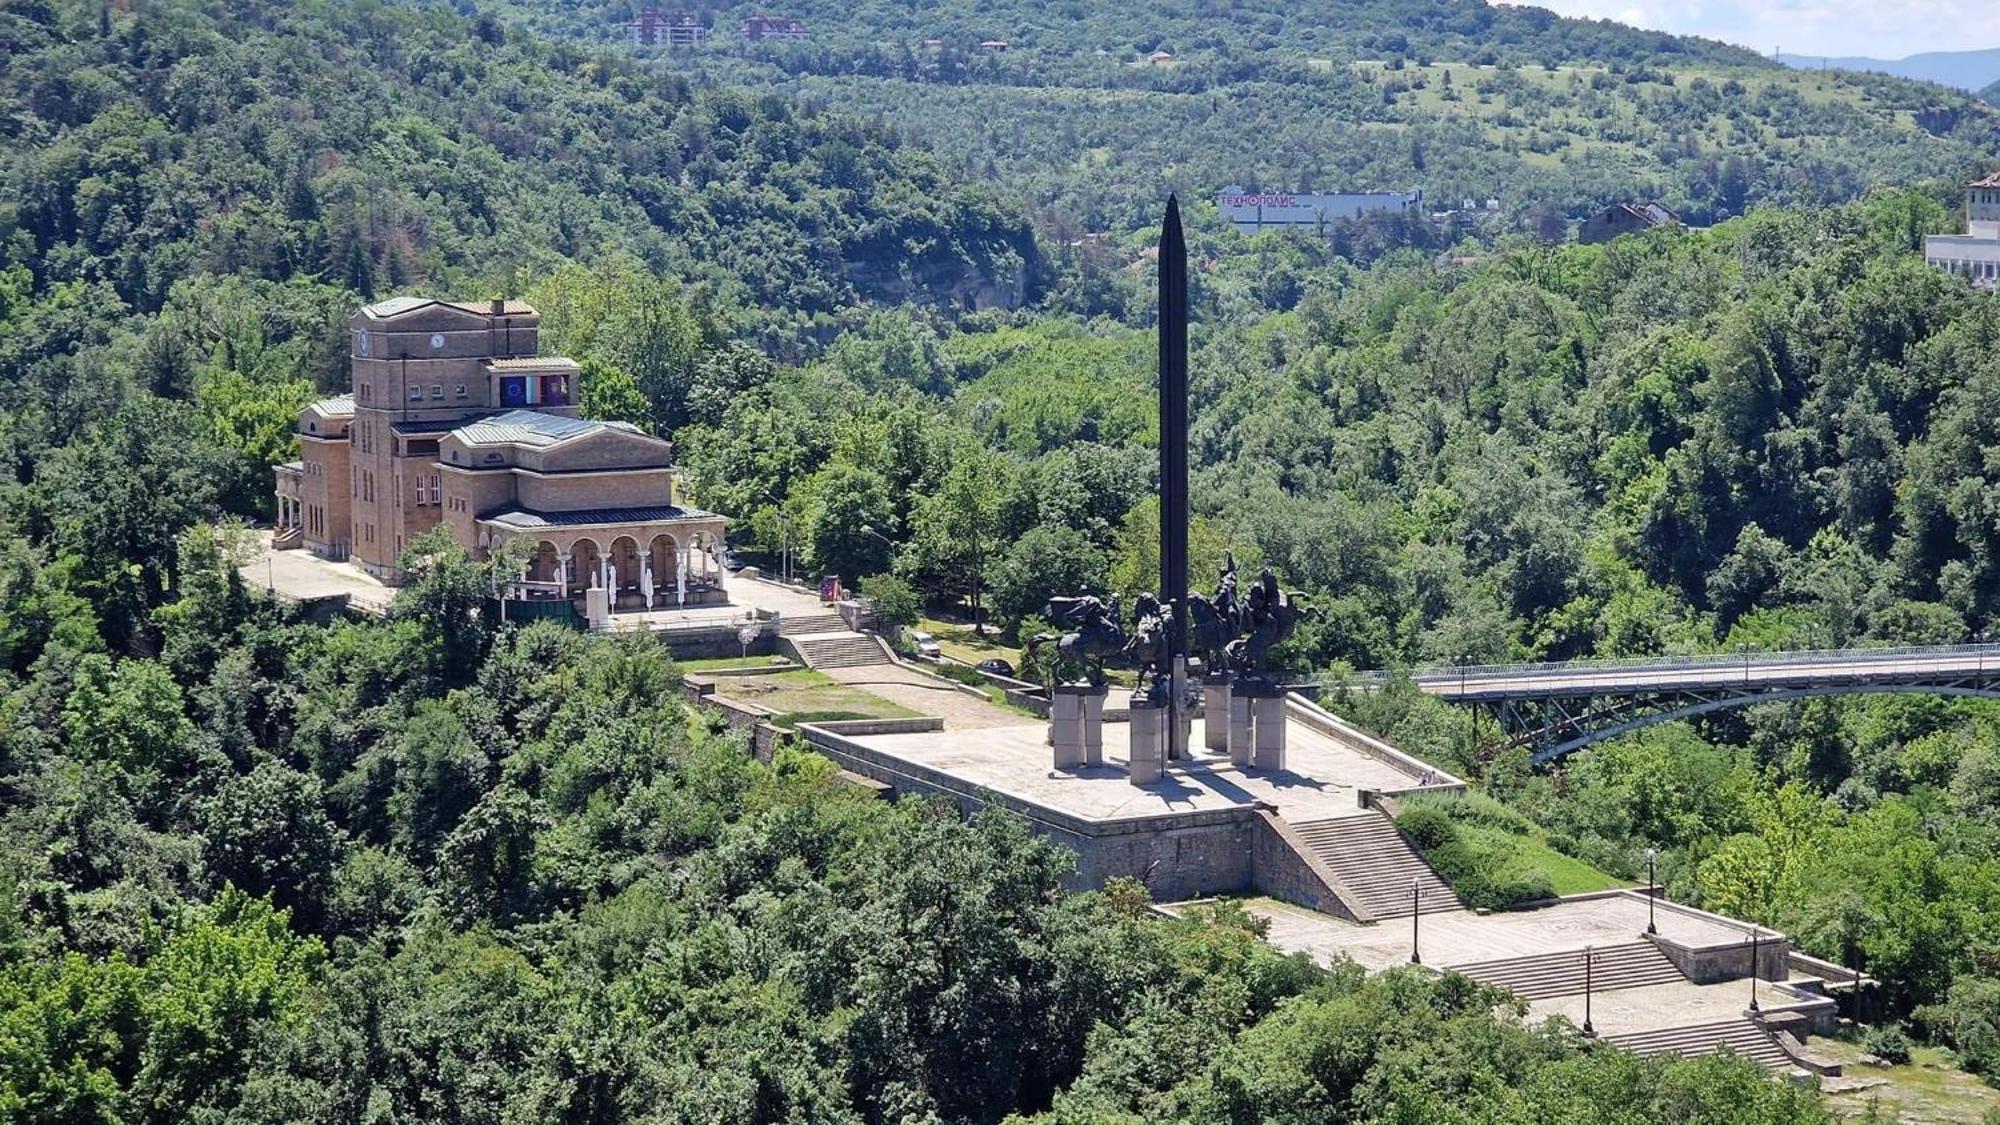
[
  {"x": 458, "y": 391},
  {"x": 416, "y": 393},
  {"x": 437, "y": 390}
]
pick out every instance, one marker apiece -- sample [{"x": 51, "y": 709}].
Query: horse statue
[
  {"x": 1151, "y": 621},
  {"x": 1093, "y": 632},
  {"x": 1210, "y": 632},
  {"x": 1273, "y": 617}
]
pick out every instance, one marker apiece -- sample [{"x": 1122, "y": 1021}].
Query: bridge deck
[{"x": 1755, "y": 672}]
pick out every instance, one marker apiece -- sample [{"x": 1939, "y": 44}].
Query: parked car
[
  {"x": 996, "y": 668},
  {"x": 926, "y": 645},
  {"x": 731, "y": 561}
]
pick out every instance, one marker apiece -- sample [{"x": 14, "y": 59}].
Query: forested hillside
[
  {"x": 1552, "y": 117},
  {"x": 381, "y": 149},
  {"x": 254, "y": 869}
]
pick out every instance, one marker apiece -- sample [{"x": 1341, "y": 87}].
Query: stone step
[
  {"x": 1378, "y": 864},
  {"x": 809, "y": 624},
  {"x": 1739, "y": 1035},
  {"x": 838, "y": 650},
  {"x": 1638, "y": 964}
]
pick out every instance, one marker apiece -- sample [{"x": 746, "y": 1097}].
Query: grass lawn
[
  {"x": 1929, "y": 1088},
  {"x": 1521, "y": 856},
  {"x": 960, "y": 643},
  {"x": 712, "y": 663},
  {"x": 803, "y": 695}
]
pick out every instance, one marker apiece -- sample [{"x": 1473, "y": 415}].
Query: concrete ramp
[{"x": 1373, "y": 860}]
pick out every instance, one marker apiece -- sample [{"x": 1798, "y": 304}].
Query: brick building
[{"x": 455, "y": 419}]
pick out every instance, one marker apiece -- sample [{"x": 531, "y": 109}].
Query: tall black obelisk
[{"x": 1173, "y": 465}]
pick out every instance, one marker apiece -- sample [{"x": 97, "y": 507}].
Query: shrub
[{"x": 1889, "y": 1041}]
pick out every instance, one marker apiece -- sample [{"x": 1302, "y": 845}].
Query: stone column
[
  {"x": 1241, "y": 738},
  {"x": 1093, "y": 725},
  {"x": 1066, "y": 724},
  {"x": 1215, "y": 712},
  {"x": 1268, "y": 717},
  {"x": 1149, "y": 739}
]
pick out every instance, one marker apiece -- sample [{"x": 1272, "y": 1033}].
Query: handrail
[{"x": 1448, "y": 672}]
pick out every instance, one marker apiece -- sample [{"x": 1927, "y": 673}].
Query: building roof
[
  {"x": 1652, "y": 213},
  {"x": 339, "y": 406},
  {"x": 524, "y": 519},
  {"x": 1991, "y": 180},
  {"x": 403, "y": 306},
  {"x": 534, "y": 428},
  {"x": 432, "y": 426},
  {"x": 534, "y": 363}
]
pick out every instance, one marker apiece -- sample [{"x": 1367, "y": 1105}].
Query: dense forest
[
  {"x": 255, "y": 869},
  {"x": 1552, "y": 118}
]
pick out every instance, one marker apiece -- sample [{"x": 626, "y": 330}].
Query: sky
[{"x": 1883, "y": 29}]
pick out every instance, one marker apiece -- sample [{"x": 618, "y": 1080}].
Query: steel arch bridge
[{"x": 1557, "y": 709}]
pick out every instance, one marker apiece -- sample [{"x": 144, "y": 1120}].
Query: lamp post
[
  {"x": 1471, "y": 712},
  {"x": 1745, "y": 650},
  {"x": 1652, "y": 888},
  {"x": 1979, "y": 639},
  {"x": 1754, "y": 935},
  {"x": 1588, "y": 956},
  {"x": 1416, "y": 911}
]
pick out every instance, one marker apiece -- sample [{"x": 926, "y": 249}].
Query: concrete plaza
[
  {"x": 1467, "y": 937},
  {"x": 1323, "y": 778}
]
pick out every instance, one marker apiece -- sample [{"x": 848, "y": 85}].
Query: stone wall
[{"x": 1282, "y": 867}]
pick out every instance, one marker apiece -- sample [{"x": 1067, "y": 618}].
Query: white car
[{"x": 926, "y": 645}]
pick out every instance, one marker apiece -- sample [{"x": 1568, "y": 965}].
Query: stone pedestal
[
  {"x": 597, "y": 607},
  {"x": 1215, "y": 713},
  {"x": 1267, "y": 716},
  {"x": 1241, "y": 737},
  {"x": 1093, "y": 726},
  {"x": 1149, "y": 739},
  {"x": 1066, "y": 724}
]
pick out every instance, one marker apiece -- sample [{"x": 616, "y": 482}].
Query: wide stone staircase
[
  {"x": 835, "y": 650},
  {"x": 1738, "y": 1034},
  {"x": 1376, "y": 864},
  {"x": 810, "y": 624},
  {"x": 1543, "y": 975}
]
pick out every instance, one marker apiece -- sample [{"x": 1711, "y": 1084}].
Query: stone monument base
[
  {"x": 1148, "y": 753},
  {"x": 1076, "y": 725},
  {"x": 1215, "y": 702},
  {"x": 1265, "y": 741}
]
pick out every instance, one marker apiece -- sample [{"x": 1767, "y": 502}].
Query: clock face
[
  {"x": 437, "y": 340},
  {"x": 361, "y": 343}
]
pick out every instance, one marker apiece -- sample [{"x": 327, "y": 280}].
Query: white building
[
  {"x": 1976, "y": 253},
  {"x": 1250, "y": 212}
]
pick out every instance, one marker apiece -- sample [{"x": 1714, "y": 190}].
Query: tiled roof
[
  {"x": 521, "y": 519},
  {"x": 398, "y": 306},
  {"x": 1989, "y": 181},
  {"x": 532, "y": 427},
  {"x": 533, "y": 363},
  {"x": 435, "y": 426},
  {"x": 339, "y": 406}
]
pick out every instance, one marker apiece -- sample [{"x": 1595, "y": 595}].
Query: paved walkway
[
  {"x": 1465, "y": 937},
  {"x": 926, "y": 695},
  {"x": 305, "y": 576}
]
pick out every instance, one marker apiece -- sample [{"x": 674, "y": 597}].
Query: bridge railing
[{"x": 1438, "y": 673}]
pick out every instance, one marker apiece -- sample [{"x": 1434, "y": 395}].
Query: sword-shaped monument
[{"x": 1174, "y": 470}]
